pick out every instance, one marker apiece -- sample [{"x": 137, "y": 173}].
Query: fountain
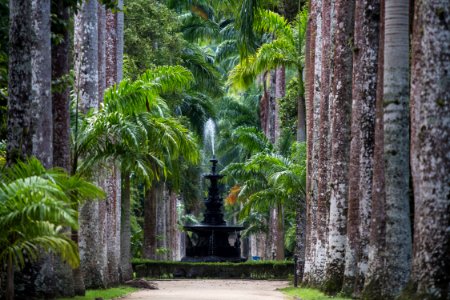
[{"x": 210, "y": 240}]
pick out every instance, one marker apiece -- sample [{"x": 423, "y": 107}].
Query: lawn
[
  {"x": 105, "y": 294},
  {"x": 309, "y": 294}
]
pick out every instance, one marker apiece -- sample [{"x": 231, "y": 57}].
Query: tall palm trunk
[
  {"x": 126, "y": 272},
  {"x": 340, "y": 143},
  {"x": 324, "y": 147},
  {"x": 366, "y": 41},
  {"x": 19, "y": 81},
  {"x": 41, "y": 70},
  {"x": 149, "y": 245},
  {"x": 309, "y": 94},
  {"x": 61, "y": 124},
  {"x": 430, "y": 162},
  {"x": 396, "y": 146},
  {"x": 86, "y": 87},
  {"x": 112, "y": 180},
  {"x": 377, "y": 239}
]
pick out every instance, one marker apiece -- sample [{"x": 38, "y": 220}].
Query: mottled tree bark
[
  {"x": 315, "y": 138},
  {"x": 113, "y": 210},
  {"x": 309, "y": 94},
  {"x": 430, "y": 148},
  {"x": 126, "y": 271},
  {"x": 102, "y": 248},
  {"x": 160, "y": 217},
  {"x": 173, "y": 228},
  {"x": 396, "y": 146},
  {"x": 60, "y": 96},
  {"x": 340, "y": 142},
  {"x": 324, "y": 145},
  {"x": 366, "y": 42},
  {"x": 61, "y": 124},
  {"x": 41, "y": 70},
  {"x": 113, "y": 178},
  {"x": 86, "y": 87},
  {"x": 377, "y": 238},
  {"x": 149, "y": 245},
  {"x": 19, "y": 81}
]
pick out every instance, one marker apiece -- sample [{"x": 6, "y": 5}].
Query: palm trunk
[
  {"x": 309, "y": 94},
  {"x": 340, "y": 141},
  {"x": 396, "y": 146},
  {"x": 362, "y": 146},
  {"x": 430, "y": 162},
  {"x": 300, "y": 236},
  {"x": 10, "y": 280},
  {"x": 149, "y": 244},
  {"x": 161, "y": 213},
  {"x": 126, "y": 271},
  {"x": 280, "y": 232},
  {"x": 19, "y": 81},
  {"x": 377, "y": 239},
  {"x": 41, "y": 100},
  {"x": 86, "y": 86},
  {"x": 324, "y": 148}
]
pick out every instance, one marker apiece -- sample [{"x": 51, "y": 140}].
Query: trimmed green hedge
[{"x": 247, "y": 270}]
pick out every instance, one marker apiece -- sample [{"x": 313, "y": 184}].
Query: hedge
[{"x": 245, "y": 270}]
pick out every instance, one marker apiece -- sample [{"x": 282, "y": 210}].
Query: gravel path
[{"x": 213, "y": 289}]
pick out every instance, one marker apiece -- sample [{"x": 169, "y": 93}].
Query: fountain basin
[{"x": 213, "y": 240}]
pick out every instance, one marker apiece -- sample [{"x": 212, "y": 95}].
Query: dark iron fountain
[{"x": 213, "y": 240}]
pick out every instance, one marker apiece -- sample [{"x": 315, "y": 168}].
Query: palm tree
[
  {"x": 268, "y": 179},
  {"x": 429, "y": 144},
  {"x": 36, "y": 205},
  {"x": 132, "y": 118},
  {"x": 285, "y": 50}
]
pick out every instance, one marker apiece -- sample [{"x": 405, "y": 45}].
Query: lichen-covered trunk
[
  {"x": 113, "y": 210},
  {"x": 396, "y": 146},
  {"x": 126, "y": 272},
  {"x": 174, "y": 234},
  {"x": 19, "y": 81},
  {"x": 102, "y": 251},
  {"x": 113, "y": 179},
  {"x": 377, "y": 240},
  {"x": 367, "y": 14},
  {"x": 341, "y": 86},
  {"x": 86, "y": 88},
  {"x": 300, "y": 236},
  {"x": 161, "y": 225},
  {"x": 280, "y": 231},
  {"x": 60, "y": 95},
  {"x": 324, "y": 145},
  {"x": 150, "y": 206},
  {"x": 61, "y": 125},
  {"x": 309, "y": 94},
  {"x": 430, "y": 148},
  {"x": 319, "y": 230},
  {"x": 41, "y": 70}
]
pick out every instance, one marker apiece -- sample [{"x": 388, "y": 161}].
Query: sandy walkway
[{"x": 213, "y": 289}]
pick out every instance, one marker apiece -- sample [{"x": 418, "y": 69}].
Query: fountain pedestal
[{"x": 213, "y": 240}]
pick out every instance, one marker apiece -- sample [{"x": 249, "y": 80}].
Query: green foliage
[
  {"x": 132, "y": 118},
  {"x": 289, "y": 105},
  {"x": 286, "y": 49},
  {"x": 151, "y": 36},
  {"x": 112, "y": 293},
  {"x": 249, "y": 269},
  {"x": 36, "y": 204},
  {"x": 268, "y": 179},
  {"x": 309, "y": 294}
]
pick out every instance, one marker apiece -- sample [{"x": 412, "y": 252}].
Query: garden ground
[{"x": 216, "y": 289}]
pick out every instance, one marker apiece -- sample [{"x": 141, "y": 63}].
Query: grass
[
  {"x": 309, "y": 294},
  {"x": 105, "y": 294}
]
